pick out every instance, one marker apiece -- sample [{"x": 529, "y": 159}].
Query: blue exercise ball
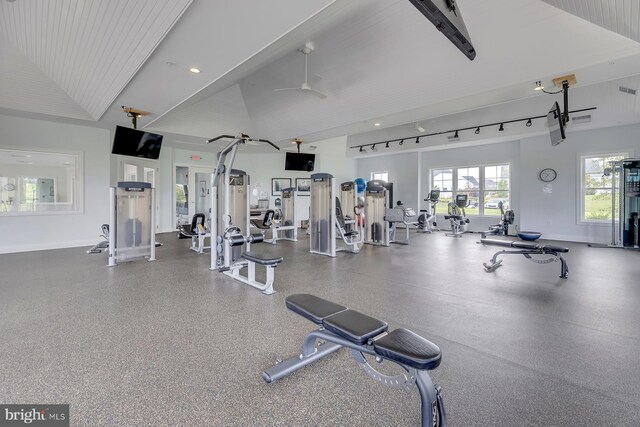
[{"x": 361, "y": 185}]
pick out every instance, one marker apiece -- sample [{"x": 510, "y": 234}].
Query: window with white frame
[
  {"x": 485, "y": 187},
  {"x": 382, "y": 176},
  {"x": 595, "y": 191}
]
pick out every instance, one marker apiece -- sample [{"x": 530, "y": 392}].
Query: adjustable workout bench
[
  {"x": 526, "y": 250},
  {"x": 343, "y": 327}
]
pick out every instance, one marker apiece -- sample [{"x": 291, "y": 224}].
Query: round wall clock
[
  {"x": 548, "y": 175},
  {"x": 9, "y": 187}
]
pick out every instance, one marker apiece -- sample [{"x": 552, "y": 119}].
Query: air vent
[
  {"x": 627, "y": 90},
  {"x": 581, "y": 119}
]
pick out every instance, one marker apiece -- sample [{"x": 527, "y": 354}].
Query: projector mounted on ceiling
[{"x": 446, "y": 16}]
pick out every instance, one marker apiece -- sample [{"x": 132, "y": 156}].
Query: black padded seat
[
  {"x": 457, "y": 217},
  {"x": 258, "y": 259},
  {"x": 551, "y": 248},
  {"x": 312, "y": 307},
  {"x": 408, "y": 348},
  {"x": 354, "y": 326}
]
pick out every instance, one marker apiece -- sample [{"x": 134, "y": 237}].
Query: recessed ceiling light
[
  {"x": 194, "y": 70},
  {"x": 376, "y": 124}
]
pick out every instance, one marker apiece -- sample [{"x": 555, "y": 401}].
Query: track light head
[
  {"x": 477, "y": 130},
  {"x": 387, "y": 145},
  {"x": 456, "y": 135},
  {"x": 529, "y": 123},
  {"x": 418, "y": 140},
  {"x": 373, "y": 147},
  {"x": 501, "y": 128},
  {"x": 362, "y": 149},
  {"x": 401, "y": 142}
]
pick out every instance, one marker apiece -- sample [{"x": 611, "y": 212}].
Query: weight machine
[
  {"x": 132, "y": 223},
  {"x": 326, "y": 216},
  {"x": 230, "y": 220},
  {"x": 625, "y": 200}
]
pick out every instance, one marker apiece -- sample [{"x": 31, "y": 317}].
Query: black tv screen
[
  {"x": 556, "y": 124},
  {"x": 299, "y": 162},
  {"x": 136, "y": 143}
]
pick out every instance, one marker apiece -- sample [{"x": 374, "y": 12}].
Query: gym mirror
[{"x": 38, "y": 182}]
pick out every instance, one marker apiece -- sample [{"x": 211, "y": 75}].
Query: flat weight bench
[
  {"x": 527, "y": 249},
  {"x": 364, "y": 335},
  {"x": 253, "y": 259}
]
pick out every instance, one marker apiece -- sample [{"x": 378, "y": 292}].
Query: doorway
[{"x": 192, "y": 192}]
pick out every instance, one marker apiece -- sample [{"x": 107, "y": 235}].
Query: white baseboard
[{"x": 45, "y": 246}]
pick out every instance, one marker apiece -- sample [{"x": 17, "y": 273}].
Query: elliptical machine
[
  {"x": 457, "y": 216},
  {"x": 506, "y": 219},
  {"x": 427, "y": 219}
]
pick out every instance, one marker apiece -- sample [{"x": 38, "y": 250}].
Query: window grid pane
[{"x": 596, "y": 188}]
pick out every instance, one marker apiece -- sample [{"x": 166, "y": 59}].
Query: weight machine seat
[
  {"x": 266, "y": 222},
  {"x": 311, "y": 307},
  {"x": 258, "y": 259},
  {"x": 408, "y": 348},
  {"x": 456, "y": 217},
  {"x": 354, "y": 326}
]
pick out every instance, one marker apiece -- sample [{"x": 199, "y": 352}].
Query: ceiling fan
[{"x": 305, "y": 87}]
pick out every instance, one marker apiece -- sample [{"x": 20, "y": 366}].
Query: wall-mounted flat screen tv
[
  {"x": 299, "y": 162},
  {"x": 556, "y": 125},
  {"x": 136, "y": 143}
]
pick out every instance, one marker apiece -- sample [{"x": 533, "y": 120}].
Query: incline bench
[
  {"x": 343, "y": 327},
  {"x": 527, "y": 249}
]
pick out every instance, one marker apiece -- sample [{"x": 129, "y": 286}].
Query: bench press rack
[{"x": 341, "y": 327}]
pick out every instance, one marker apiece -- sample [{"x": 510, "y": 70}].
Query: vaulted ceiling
[{"x": 377, "y": 61}]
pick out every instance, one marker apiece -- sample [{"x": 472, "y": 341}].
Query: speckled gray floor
[{"x": 171, "y": 343}]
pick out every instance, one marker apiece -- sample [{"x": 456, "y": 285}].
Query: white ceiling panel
[
  {"x": 388, "y": 58},
  {"x": 24, "y": 87},
  {"x": 619, "y": 16},
  {"x": 222, "y": 113},
  {"x": 89, "y": 48}
]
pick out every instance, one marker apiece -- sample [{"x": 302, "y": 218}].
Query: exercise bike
[
  {"x": 502, "y": 228},
  {"x": 427, "y": 219},
  {"x": 457, "y": 216}
]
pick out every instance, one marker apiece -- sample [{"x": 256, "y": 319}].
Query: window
[
  {"x": 382, "y": 176},
  {"x": 35, "y": 182},
  {"x": 596, "y": 187},
  {"x": 442, "y": 179},
  {"x": 485, "y": 187}
]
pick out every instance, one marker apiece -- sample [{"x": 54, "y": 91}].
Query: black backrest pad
[
  {"x": 408, "y": 348},
  {"x": 312, "y": 307},
  {"x": 354, "y": 326}
]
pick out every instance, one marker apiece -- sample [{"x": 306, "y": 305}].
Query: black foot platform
[{"x": 364, "y": 335}]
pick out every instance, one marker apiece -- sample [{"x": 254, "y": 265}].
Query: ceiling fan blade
[
  {"x": 316, "y": 93},
  {"x": 286, "y": 88}
]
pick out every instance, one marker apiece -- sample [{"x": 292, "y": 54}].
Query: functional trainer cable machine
[{"x": 230, "y": 219}]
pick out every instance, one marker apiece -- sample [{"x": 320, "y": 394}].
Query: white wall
[
  {"x": 403, "y": 173},
  {"x": 35, "y": 232},
  {"x": 554, "y": 214}
]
